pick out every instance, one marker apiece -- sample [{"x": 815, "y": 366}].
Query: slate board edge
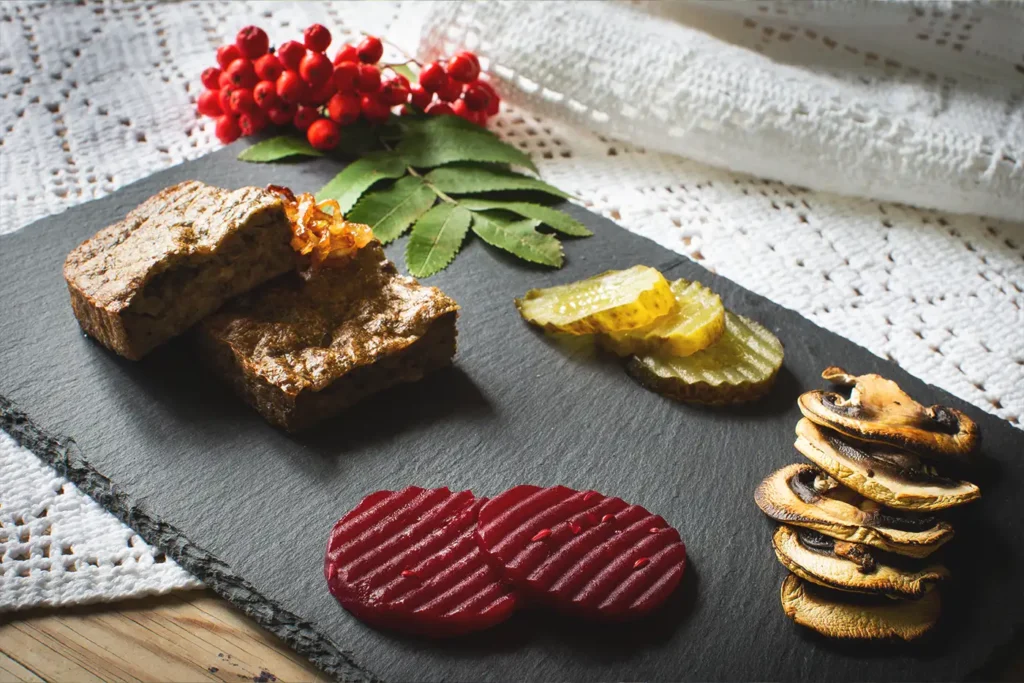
[
  {"x": 66, "y": 457},
  {"x": 62, "y": 454}
]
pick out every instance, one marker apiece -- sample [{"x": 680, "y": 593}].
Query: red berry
[
  {"x": 242, "y": 101},
  {"x": 227, "y": 54},
  {"x": 344, "y": 108},
  {"x": 419, "y": 97},
  {"x": 395, "y": 90},
  {"x": 494, "y": 101},
  {"x": 439, "y": 109},
  {"x": 208, "y": 103},
  {"x": 305, "y": 116},
  {"x": 317, "y": 37},
  {"x": 433, "y": 77},
  {"x": 346, "y": 54},
  {"x": 323, "y": 134},
  {"x": 460, "y": 109},
  {"x": 464, "y": 67},
  {"x": 210, "y": 78},
  {"x": 253, "y": 42},
  {"x": 265, "y": 94},
  {"x": 315, "y": 68},
  {"x": 224, "y": 80},
  {"x": 370, "y": 50},
  {"x": 479, "y": 118},
  {"x": 450, "y": 91},
  {"x": 242, "y": 73},
  {"x": 227, "y": 129},
  {"x": 252, "y": 122},
  {"x": 320, "y": 94},
  {"x": 291, "y": 87},
  {"x": 375, "y": 110},
  {"x": 268, "y": 67},
  {"x": 282, "y": 114},
  {"x": 477, "y": 98},
  {"x": 369, "y": 79},
  {"x": 290, "y": 54},
  {"x": 346, "y": 76},
  {"x": 224, "y": 98}
]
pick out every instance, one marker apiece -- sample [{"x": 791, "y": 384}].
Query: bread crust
[
  {"x": 306, "y": 346},
  {"x": 173, "y": 260}
]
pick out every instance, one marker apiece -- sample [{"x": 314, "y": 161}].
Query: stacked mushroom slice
[{"x": 857, "y": 525}]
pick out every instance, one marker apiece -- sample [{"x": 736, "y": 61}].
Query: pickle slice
[
  {"x": 697, "y": 323},
  {"x": 741, "y": 366},
  {"x": 612, "y": 301}
]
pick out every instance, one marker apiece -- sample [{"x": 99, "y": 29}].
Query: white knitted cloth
[{"x": 95, "y": 96}]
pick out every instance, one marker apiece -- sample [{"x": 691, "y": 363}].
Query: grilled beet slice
[
  {"x": 408, "y": 560},
  {"x": 581, "y": 551}
]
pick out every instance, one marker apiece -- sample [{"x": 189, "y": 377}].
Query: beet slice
[
  {"x": 408, "y": 560},
  {"x": 582, "y": 552}
]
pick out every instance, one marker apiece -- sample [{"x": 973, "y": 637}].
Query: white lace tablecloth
[{"x": 96, "y": 95}]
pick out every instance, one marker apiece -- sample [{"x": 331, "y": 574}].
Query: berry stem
[{"x": 408, "y": 58}]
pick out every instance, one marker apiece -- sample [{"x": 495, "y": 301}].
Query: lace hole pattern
[{"x": 940, "y": 294}]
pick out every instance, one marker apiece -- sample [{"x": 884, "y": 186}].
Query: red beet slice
[
  {"x": 408, "y": 560},
  {"x": 581, "y": 551}
]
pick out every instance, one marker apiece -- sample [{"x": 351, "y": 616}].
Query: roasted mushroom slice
[
  {"x": 880, "y": 472},
  {"x": 805, "y": 496},
  {"x": 878, "y": 410},
  {"x": 847, "y": 615},
  {"x": 847, "y": 566}
]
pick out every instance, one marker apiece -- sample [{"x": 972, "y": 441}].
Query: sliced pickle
[
  {"x": 698, "y": 322},
  {"x": 741, "y": 366},
  {"x": 612, "y": 301}
]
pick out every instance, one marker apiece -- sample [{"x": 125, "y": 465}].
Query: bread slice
[
  {"x": 174, "y": 260},
  {"x": 306, "y": 346}
]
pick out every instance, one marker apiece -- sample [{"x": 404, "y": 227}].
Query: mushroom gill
[
  {"x": 880, "y": 472},
  {"x": 803, "y": 495},
  {"x": 846, "y": 615},
  {"x": 878, "y": 410},
  {"x": 848, "y": 567}
]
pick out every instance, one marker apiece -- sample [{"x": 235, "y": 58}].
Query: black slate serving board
[{"x": 248, "y": 508}]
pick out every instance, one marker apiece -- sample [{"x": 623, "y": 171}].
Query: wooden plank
[
  {"x": 12, "y": 671},
  {"x": 184, "y": 637},
  {"x": 187, "y": 636}
]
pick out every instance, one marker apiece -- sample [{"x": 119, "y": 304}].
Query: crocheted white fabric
[
  {"x": 853, "y": 112},
  {"x": 94, "y": 96}
]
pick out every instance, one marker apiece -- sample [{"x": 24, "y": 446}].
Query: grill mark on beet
[
  {"x": 582, "y": 551},
  {"x": 409, "y": 560}
]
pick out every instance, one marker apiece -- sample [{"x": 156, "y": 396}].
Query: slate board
[{"x": 247, "y": 508}]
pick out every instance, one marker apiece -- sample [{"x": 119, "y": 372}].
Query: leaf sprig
[{"x": 439, "y": 176}]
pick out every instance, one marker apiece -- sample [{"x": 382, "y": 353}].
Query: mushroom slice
[
  {"x": 880, "y": 472},
  {"x": 878, "y": 410},
  {"x": 846, "y": 615},
  {"x": 849, "y": 567},
  {"x": 805, "y": 496}
]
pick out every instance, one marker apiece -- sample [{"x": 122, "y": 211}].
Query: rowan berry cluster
[{"x": 255, "y": 85}]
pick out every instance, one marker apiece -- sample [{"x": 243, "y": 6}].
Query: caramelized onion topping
[{"x": 319, "y": 230}]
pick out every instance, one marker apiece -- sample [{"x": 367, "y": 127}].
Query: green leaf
[
  {"x": 349, "y": 185},
  {"x": 281, "y": 147},
  {"x": 436, "y": 238},
  {"x": 472, "y": 179},
  {"x": 357, "y": 139},
  {"x": 562, "y": 222},
  {"x": 404, "y": 70},
  {"x": 390, "y": 212},
  {"x": 519, "y": 238},
  {"x": 445, "y": 139}
]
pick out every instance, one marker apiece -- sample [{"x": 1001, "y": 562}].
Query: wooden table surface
[{"x": 184, "y": 636}]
